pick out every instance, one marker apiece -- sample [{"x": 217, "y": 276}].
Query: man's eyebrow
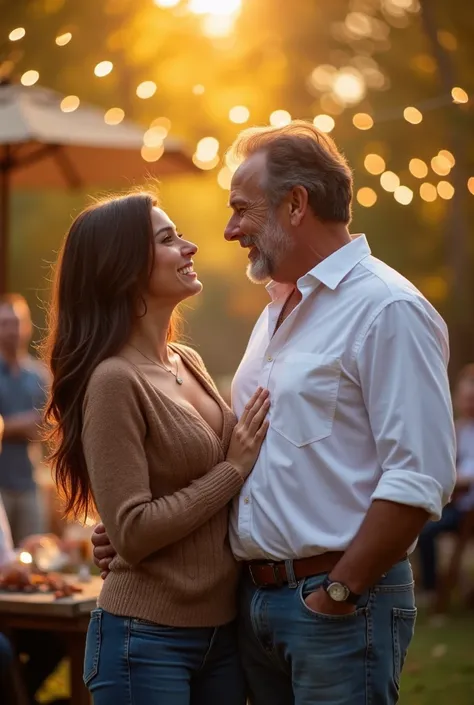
[{"x": 236, "y": 202}]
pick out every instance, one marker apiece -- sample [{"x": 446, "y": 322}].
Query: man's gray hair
[{"x": 299, "y": 154}]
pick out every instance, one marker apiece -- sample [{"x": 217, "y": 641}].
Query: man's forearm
[
  {"x": 386, "y": 533},
  {"x": 22, "y": 426}
]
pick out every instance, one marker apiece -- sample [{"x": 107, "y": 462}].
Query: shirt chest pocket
[{"x": 304, "y": 398}]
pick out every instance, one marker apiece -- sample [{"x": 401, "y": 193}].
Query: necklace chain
[
  {"x": 179, "y": 380},
  {"x": 284, "y": 308}
]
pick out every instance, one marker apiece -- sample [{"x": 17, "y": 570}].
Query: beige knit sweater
[{"x": 162, "y": 488}]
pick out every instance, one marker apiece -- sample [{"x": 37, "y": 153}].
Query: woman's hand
[{"x": 249, "y": 433}]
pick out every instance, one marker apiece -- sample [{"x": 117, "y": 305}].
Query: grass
[{"x": 439, "y": 668}]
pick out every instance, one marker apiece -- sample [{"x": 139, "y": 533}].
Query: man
[
  {"x": 360, "y": 450},
  {"x": 21, "y": 399}
]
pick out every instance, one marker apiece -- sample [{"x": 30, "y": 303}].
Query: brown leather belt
[{"x": 266, "y": 573}]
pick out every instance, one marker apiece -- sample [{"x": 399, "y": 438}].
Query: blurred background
[{"x": 391, "y": 81}]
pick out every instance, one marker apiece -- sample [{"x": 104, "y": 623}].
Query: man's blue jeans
[
  {"x": 294, "y": 656},
  {"x": 134, "y": 662}
]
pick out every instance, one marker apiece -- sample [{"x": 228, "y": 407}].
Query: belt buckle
[{"x": 279, "y": 581}]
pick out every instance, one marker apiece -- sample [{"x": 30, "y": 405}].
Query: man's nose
[{"x": 232, "y": 231}]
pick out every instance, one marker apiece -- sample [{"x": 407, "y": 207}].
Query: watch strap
[{"x": 352, "y": 597}]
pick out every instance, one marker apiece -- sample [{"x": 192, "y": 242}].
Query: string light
[
  {"x": 152, "y": 154},
  {"x": 366, "y": 197},
  {"x": 470, "y": 185},
  {"x": 445, "y": 190},
  {"x": 325, "y": 123},
  {"x": 29, "y": 78},
  {"x": 389, "y": 181},
  {"x": 441, "y": 165},
  {"x": 224, "y": 178},
  {"x": 239, "y": 114},
  {"x": 459, "y": 95},
  {"x": 403, "y": 195},
  {"x": 17, "y": 34},
  {"x": 418, "y": 168},
  {"x": 428, "y": 192},
  {"x": 103, "y": 68},
  {"x": 198, "y": 89},
  {"x": 412, "y": 115},
  {"x": 362, "y": 121},
  {"x": 63, "y": 39},
  {"x": 70, "y": 103},
  {"x": 279, "y": 118},
  {"x": 146, "y": 89},
  {"x": 374, "y": 164},
  {"x": 114, "y": 116}
]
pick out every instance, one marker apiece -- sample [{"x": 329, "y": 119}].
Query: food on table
[{"x": 17, "y": 579}]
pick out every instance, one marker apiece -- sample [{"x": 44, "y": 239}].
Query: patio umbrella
[{"x": 43, "y": 147}]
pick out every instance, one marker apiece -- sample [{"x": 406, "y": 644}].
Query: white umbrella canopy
[{"x": 43, "y": 147}]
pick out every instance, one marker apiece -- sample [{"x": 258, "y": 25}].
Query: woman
[{"x": 138, "y": 425}]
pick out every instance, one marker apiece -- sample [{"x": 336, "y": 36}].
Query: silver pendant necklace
[{"x": 179, "y": 380}]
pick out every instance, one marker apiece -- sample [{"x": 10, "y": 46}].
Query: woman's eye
[{"x": 168, "y": 238}]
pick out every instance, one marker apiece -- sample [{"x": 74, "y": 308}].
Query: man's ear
[{"x": 297, "y": 205}]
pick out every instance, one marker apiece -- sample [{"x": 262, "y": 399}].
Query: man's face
[
  {"x": 9, "y": 329},
  {"x": 253, "y": 223},
  {"x": 465, "y": 397}
]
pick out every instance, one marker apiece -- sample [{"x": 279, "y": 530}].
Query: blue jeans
[
  {"x": 132, "y": 661},
  {"x": 294, "y": 656}
]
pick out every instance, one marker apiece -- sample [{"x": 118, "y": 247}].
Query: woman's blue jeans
[{"x": 131, "y": 661}]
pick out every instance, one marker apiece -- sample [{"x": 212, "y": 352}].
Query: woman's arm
[{"x": 113, "y": 440}]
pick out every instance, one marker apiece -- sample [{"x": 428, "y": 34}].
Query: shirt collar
[{"x": 331, "y": 271}]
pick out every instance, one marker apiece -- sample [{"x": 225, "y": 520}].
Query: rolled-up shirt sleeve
[{"x": 402, "y": 366}]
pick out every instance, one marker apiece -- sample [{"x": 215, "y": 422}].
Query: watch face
[{"x": 338, "y": 592}]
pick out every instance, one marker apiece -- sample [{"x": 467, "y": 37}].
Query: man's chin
[{"x": 257, "y": 273}]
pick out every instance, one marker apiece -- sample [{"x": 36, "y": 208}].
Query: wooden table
[{"x": 68, "y": 615}]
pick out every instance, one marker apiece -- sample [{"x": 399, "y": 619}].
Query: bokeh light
[
  {"x": 366, "y": 197},
  {"x": 322, "y": 77},
  {"x": 279, "y": 118},
  {"x": 224, "y": 178},
  {"x": 214, "y": 7},
  {"x": 325, "y": 123},
  {"x": 198, "y": 89},
  {"x": 403, "y": 195},
  {"x": 162, "y": 122},
  {"x": 207, "y": 149},
  {"x": 166, "y": 3},
  {"x": 363, "y": 121},
  {"x": 418, "y": 168},
  {"x": 207, "y": 164},
  {"x": 441, "y": 165},
  {"x": 470, "y": 184},
  {"x": 412, "y": 115},
  {"x": 114, "y": 116},
  {"x": 445, "y": 190},
  {"x": 447, "y": 155},
  {"x": 428, "y": 192},
  {"x": 152, "y": 154},
  {"x": 459, "y": 95},
  {"x": 103, "y": 68},
  {"x": 29, "y": 78},
  {"x": 154, "y": 136},
  {"x": 374, "y": 164},
  {"x": 63, "y": 39},
  {"x": 389, "y": 181},
  {"x": 239, "y": 114},
  {"x": 146, "y": 89},
  {"x": 70, "y": 103},
  {"x": 17, "y": 34},
  {"x": 349, "y": 86}
]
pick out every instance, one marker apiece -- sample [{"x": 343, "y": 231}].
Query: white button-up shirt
[{"x": 360, "y": 408}]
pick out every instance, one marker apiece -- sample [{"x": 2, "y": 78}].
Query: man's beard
[{"x": 273, "y": 244}]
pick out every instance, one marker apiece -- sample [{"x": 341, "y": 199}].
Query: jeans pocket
[
  {"x": 92, "y": 652},
  {"x": 309, "y": 585},
  {"x": 403, "y": 627}
]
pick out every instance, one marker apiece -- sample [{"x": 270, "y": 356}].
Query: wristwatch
[{"x": 339, "y": 592}]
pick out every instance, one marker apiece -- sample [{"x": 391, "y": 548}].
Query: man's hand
[
  {"x": 103, "y": 550},
  {"x": 319, "y": 601}
]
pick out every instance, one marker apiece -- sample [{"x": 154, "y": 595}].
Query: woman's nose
[{"x": 190, "y": 248}]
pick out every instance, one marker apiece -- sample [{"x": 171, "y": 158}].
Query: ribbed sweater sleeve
[{"x": 114, "y": 431}]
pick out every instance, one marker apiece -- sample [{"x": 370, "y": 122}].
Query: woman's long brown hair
[{"x": 102, "y": 271}]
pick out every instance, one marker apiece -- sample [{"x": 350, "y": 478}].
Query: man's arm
[
  {"x": 24, "y": 426},
  {"x": 402, "y": 363}
]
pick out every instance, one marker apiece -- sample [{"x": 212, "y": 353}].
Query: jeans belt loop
[{"x": 290, "y": 574}]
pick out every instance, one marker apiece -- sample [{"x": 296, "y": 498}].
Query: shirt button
[
  {"x": 270, "y": 358},
  {"x": 246, "y": 500}
]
